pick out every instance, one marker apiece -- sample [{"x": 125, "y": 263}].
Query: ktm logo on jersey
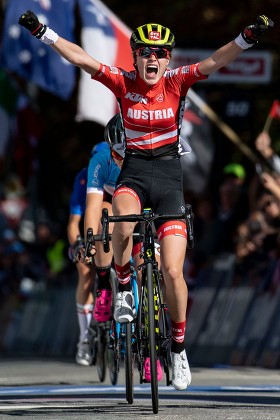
[{"x": 136, "y": 97}]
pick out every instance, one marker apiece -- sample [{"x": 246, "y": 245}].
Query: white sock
[{"x": 84, "y": 313}]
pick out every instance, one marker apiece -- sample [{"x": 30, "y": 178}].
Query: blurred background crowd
[{"x": 235, "y": 199}]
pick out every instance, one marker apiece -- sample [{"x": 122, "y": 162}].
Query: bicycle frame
[{"x": 100, "y": 331}]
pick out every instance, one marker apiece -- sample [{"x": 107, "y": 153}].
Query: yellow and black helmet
[{"x": 152, "y": 34}]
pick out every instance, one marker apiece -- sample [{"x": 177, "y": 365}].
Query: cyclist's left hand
[{"x": 74, "y": 251}]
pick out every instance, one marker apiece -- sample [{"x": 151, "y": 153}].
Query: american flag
[{"x": 29, "y": 58}]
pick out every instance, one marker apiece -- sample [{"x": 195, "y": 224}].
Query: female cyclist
[{"x": 151, "y": 101}]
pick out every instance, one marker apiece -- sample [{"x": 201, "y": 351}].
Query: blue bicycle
[
  {"x": 112, "y": 341},
  {"x": 121, "y": 344}
]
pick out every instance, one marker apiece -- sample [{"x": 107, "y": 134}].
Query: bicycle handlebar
[
  {"x": 91, "y": 239},
  {"x": 105, "y": 229},
  {"x": 146, "y": 216},
  {"x": 89, "y": 242}
]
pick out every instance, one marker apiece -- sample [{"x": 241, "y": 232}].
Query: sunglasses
[
  {"x": 115, "y": 155},
  {"x": 158, "y": 52}
]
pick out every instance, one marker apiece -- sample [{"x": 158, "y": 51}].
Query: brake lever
[
  {"x": 189, "y": 220},
  {"x": 89, "y": 242},
  {"x": 105, "y": 230}
]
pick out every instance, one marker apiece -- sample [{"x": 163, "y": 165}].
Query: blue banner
[{"x": 28, "y": 57}]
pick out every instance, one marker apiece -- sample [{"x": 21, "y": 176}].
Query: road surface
[{"x": 55, "y": 389}]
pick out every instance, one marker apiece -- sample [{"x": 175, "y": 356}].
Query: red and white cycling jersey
[{"x": 152, "y": 115}]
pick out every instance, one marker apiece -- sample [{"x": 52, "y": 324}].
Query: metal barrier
[{"x": 227, "y": 324}]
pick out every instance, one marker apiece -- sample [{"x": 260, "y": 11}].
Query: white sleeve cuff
[
  {"x": 275, "y": 163},
  {"x": 49, "y": 37},
  {"x": 240, "y": 41}
]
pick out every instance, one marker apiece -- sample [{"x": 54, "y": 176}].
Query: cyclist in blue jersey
[
  {"x": 92, "y": 190},
  {"x": 86, "y": 273},
  {"x": 103, "y": 172}
]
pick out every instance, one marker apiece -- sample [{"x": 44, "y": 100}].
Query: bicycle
[
  {"x": 151, "y": 326},
  {"x": 111, "y": 340},
  {"x": 100, "y": 331}
]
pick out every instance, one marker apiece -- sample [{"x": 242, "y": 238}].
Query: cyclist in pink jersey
[{"x": 151, "y": 101}]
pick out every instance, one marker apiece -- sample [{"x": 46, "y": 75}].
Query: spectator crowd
[{"x": 242, "y": 219}]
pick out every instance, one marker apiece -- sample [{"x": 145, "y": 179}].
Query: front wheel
[
  {"x": 128, "y": 364},
  {"x": 114, "y": 354},
  {"x": 152, "y": 339}
]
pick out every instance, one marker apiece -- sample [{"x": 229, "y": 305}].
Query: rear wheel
[
  {"x": 93, "y": 333},
  {"x": 113, "y": 350},
  {"x": 94, "y": 351},
  {"x": 113, "y": 370},
  {"x": 101, "y": 357}
]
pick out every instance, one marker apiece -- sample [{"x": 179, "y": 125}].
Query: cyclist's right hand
[
  {"x": 31, "y": 22},
  {"x": 88, "y": 252},
  {"x": 89, "y": 249}
]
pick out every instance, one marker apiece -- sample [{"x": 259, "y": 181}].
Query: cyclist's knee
[
  {"x": 172, "y": 274},
  {"x": 124, "y": 230}
]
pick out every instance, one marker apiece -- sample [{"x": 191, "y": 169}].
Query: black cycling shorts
[
  {"x": 158, "y": 183},
  {"x": 107, "y": 197}
]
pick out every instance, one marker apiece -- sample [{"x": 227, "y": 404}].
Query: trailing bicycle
[
  {"x": 121, "y": 344},
  {"x": 101, "y": 331},
  {"x": 111, "y": 341}
]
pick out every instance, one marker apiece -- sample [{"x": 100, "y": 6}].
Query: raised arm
[
  {"x": 270, "y": 183},
  {"x": 70, "y": 51},
  {"x": 76, "y": 55},
  {"x": 229, "y": 52}
]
